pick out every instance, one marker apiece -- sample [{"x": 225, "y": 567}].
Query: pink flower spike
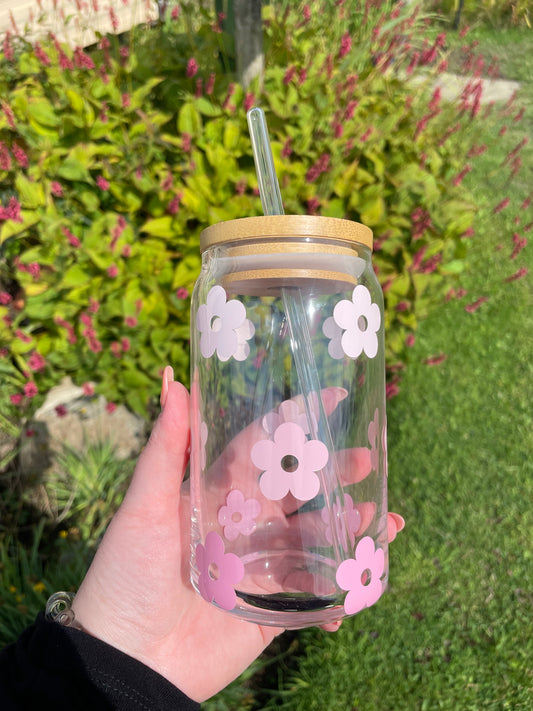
[
  {"x": 471, "y": 308},
  {"x": 110, "y": 407},
  {"x": 210, "y": 84},
  {"x": 346, "y": 45},
  {"x": 5, "y": 158},
  {"x": 186, "y": 142},
  {"x": 238, "y": 515},
  {"x": 435, "y": 360},
  {"x": 501, "y": 205},
  {"x": 114, "y": 19},
  {"x": 360, "y": 576},
  {"x": 174, "y": 205},
  {"x": 88, "y": 389},
  {"x": 219, "y": 572},
  {"x": 22, "y": 336},
  {"x": 36, "y": 362},
  {"x": 72, "y": 239},
  {"x": 289, "y": 74},
  {"x": 192, "y": 68},
  {"x": 289, "y": 463},
  {"x": 520, "y": 274},
  {"x": 17, "y": 398},
  {"x": 20, "y": 156},
  {"x": 112, "y": 271},
  {"x": 30, "y": 389},
  {"x": 61, "y": 410},
  {"x": 12, "y": 211},
  {"x": 102, "y": 183},
  {"x": 249, "y": 100}
]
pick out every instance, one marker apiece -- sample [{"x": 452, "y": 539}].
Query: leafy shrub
[{"x": 112, "y": 161}]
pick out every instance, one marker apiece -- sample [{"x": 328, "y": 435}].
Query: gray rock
[
  {"x": 8, "y": 449},
  {"x": 86, "y": 421}
]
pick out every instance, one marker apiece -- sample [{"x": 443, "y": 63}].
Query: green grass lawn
[
  {"x": 511, "y": 47},
  {"x": 455, "y": 630}
]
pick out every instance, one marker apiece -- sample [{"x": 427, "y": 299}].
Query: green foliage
[
  {"x": 31, "y": 571},
  {"x": 92, "y": 484},
  {"x": 112, "y": 162},
  {"x": 77, "y": 500},
  {"x": 495, "y": 13}
]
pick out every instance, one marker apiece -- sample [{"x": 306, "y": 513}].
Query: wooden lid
[{"x": 287, "y": 226}]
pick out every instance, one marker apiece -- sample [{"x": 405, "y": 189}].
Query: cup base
[{"x": 287, "y": 589}]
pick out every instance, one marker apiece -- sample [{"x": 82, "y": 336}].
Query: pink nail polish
[{"x": 168, "y": 377}]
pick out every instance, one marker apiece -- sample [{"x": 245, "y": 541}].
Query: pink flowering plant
[{"x": 112, "y": 161}]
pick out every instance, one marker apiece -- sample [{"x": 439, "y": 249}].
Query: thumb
[{"x": 159, "y": 472}]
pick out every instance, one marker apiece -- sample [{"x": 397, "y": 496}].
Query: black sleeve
[{"x": 56, "y": 667}]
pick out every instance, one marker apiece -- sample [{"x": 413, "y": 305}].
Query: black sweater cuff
[{"x": 51, "y": 666}]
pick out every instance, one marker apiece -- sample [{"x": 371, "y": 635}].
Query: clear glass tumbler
[{"x": 288, "y": 450}]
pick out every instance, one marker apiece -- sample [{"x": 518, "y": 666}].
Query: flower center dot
[
  {"x": 289, "y": 463},
  {"x": 213, "y": 571},
  {"x": 362, "y": 323},
  {"x": 216, "y": 324},
  {"x": 236, "y": 516},
  {"x": 366, "y": 576}
]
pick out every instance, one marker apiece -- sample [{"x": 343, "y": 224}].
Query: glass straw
[{"x": 294, "y": 307}]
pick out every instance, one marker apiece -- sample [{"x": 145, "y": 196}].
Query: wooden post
[
  {"x": 248, "y": 40},
  {"x": 457, "y": 18}
]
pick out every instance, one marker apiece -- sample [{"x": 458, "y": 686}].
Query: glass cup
[{"x": 288, "y": 422}]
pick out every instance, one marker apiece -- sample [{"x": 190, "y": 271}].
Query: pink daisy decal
[
  {"x": 224, "y": 327},
  {"x": 219, "y": 572},
  {"x": 353, "y": 327},
  {"x": 289, "y": 411},
  {"x": 238, "y": 515},
  {"x": 360, "y": 576},
  {"x": 289, "y": 463}
]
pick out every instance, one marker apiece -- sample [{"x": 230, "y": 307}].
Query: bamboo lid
[{"x": 287, "y": 226}]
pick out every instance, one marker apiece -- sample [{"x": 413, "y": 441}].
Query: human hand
[{"x": 137, "y": 596}]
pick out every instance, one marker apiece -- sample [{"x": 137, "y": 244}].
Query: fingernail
[
  {"x": 168, "y": 377},
  {"x": 340, "y": 393},
  {"x": 399, "y": 520}
]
